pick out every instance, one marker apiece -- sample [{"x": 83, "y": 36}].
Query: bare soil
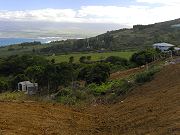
[{"x": 151, "y": 109}]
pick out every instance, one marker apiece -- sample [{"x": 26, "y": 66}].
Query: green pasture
[{"x": 94, "y": 56}]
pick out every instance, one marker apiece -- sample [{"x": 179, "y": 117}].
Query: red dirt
[{"x": 151, "y": 109}]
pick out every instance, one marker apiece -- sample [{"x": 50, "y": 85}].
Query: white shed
[
  {"x": 163, "y": 46},
  {"x": 28, "y": 87}
]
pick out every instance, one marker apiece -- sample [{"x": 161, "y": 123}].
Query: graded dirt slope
[{"x": 151, "y": 109}]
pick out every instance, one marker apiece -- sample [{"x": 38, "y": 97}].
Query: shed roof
[{"x": 163, "y": 44}]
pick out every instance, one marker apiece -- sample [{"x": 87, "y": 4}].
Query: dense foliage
[
  {"x": 95, "y": 73},
  {"x": 73, "y": 82},
  {"x": 48, "y": 74},
  {"x": 145, "y": 56}
]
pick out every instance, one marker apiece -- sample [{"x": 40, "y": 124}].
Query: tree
[
  {"x": 143, "y": 57},
  {"x": 89, "y": 58},
  {"x": 33, "y": 50},
  {"x": 95, "y": 73},
  {"x": 82, "y": 59},
  {"x": 35, "y": 73},
  {"x": 117, "y": 60},
  {"x": 3, "y": 85},
  {"x": 65, "y": 73},
  {"x": 71, "y": 59},
  {"x": 49, "y": 77},
  {"x": 53, "y": 61},
  {"x": 18, "y": 78},
  {"x": 15, "y": 65}
]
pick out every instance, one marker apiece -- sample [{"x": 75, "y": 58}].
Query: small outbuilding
[
  {"x": 163, "y": 46},
  {"x": 28, "y": 87}
]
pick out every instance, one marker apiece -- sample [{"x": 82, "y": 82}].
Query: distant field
[
  {"x": 16, "y": 49},
  {"x": 94, "y": 56}
]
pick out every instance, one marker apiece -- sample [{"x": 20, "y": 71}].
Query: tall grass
[
  {"x": 11, "y": 96},
  {"x": 147, "y": 75}
]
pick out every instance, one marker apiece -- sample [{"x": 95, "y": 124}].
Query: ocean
[{"x": 11, "y": 41}]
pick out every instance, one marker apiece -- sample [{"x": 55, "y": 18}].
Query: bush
[
  {"x": 117, "y": 60},
  {"x": 143, "y": 57},
  {"x": 9, "y": 96},
  {"x": 95, "y": 73},
  {"x": 122, "y": 87},
  {"x": 70, "y": 96},
  {"x": 68, "y": 100},
  {"x": 65, "y": 92},
  {"x": 3, "y": 85},
  {"x": 99, "y": 89},
  {"x": 146, "y": 76},
  {"x": 117, "y": 86}
]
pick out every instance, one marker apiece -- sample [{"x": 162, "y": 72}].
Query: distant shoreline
[{"x": 13, "y": 41}]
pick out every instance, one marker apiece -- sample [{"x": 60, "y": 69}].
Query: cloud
[
  {"x": 164, "y": 2},
  {"x": 54, "y": 15},
  {"x": 123, "y": 15}
]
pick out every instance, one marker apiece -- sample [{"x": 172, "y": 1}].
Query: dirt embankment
[{"x": 151, "y": 109}]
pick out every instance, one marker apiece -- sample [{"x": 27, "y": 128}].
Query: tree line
[{"x": 51, "y": 75}]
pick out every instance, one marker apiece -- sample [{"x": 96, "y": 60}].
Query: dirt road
[{"x": 151, "y": 109}]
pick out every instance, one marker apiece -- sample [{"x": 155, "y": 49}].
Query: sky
[{"x": 120, "y": 12}]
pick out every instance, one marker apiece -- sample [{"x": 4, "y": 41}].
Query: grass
[
  {"x": 94, "y": 56},
  {"x": 11, "y": 96},
  {"x": 147, "y": 76},
  {"x": 21, "y": 96},
  {"x": 16, "y": 49}
]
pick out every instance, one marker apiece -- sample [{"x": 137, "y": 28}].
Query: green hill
[{"x": 138, "y": 37}]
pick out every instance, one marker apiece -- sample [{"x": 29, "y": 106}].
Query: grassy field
[
  {"x": 16, "y": 49},
  {"x": 94, "y": 56}
]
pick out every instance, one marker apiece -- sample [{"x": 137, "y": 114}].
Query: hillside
[
  {"x": 138, "y": 37},
  {"x": 151, "y": 109},
  {"x": 19, "y": 49}
]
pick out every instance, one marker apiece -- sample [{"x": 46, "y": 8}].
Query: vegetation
[
  {"x": 20, "y": 49},
  {"x": 47, "y": 74},
  {"x": 145, "y": 56},
  {"x": 91, "y": 56},
  {"x": 138, "y": 37},
  {"x": 107, "y": 92},
  {"x": 95, "y": 73},
  {"x": 78, "y": 70},
  {"x": 10, "y": 96},
  {"x": 146, "y": 75}
]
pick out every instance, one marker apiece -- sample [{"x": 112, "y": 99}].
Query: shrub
[
  {"x": 146, "y": 75},
  {"x": 117, "y": 86},
  {"x": 8, "y": 96},
  {"x": 143, "y": 57},
  {"x": 99, "y": 89},
  {"x": 123, "y": 87},
  {"x": 117, "y": 60},
  {"x": 65, "y": 92},
  {"x": 95, "y": 73},
  {"x": 68, "y": 100},
  {"x": 3, "y": 85}
]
